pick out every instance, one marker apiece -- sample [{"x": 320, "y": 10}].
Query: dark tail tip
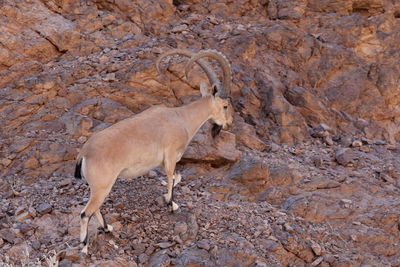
[{"x": 78, "y": 168}]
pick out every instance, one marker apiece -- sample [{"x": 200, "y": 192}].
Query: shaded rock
[
  {"x": 246, "y": 136},
  {"x": 250, "y": 170},
  {"x": 344, "y": 156},
  {"x": 195, "y": 257},
  {"x": 285, "y": 176},
  {"x": 65, "y": 263},
  {"x": 218, "y": 151},
  {"x": 346, "y": 140},
  {"x": 356, "y": 143},
  {"x": 273, "y": 147},
  {"x": 328, "y": 140},
  {"x": 138, "y": 248},
  {"x": 165, "y": 245},
  {"x": 44, "y": 208},
  {"x": 159, "y": 259},
  {"x": 193, "y": 228},
  {"x": 204, "y": 244},
  {"x": 316, "y": 248},
  {"x": 180, "y": 228},
  {"x": 379, "y": 142},
  {"x": 31, "y": 163},
  {"x": 19, "y": 251},
  {"x": 7, "y": 235},
  {"x": 23, "y": 216}
]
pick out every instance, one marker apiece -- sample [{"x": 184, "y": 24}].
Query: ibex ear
[
  {"x": 203, "y": 89},
  {"x": 214, "y": 90}
]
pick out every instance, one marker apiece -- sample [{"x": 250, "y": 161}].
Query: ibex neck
[{"x": 196, "y": 114}]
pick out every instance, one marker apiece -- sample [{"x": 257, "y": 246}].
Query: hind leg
[{"x": 96, "y": 200}]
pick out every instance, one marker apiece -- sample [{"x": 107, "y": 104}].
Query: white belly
[{"x": 131, "y": 173}]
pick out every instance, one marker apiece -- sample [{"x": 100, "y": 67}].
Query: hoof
[
  {"x": 174, "y": 207},
  {"x": 105, "y": 230},
  {"x": 109, "y": 228},
  {"x": 84, "y": 249}
]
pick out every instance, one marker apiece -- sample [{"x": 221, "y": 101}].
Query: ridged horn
[
  {"x": 224, "y": 92},
  {"x": 212, "y": 76}
]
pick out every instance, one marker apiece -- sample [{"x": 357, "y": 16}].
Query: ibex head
[{"x": 222, "y": 111}]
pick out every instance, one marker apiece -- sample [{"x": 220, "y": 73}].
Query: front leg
[{"x": 169, "y": 166}]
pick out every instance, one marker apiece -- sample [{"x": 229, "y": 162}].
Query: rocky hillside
[{"x": 310, "y": 173}]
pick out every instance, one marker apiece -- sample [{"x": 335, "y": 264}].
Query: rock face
[{"x": 309, "y": 174}]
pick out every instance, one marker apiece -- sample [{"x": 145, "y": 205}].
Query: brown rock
[
  {"x": 344, "y": 156},
  {"x": 246, "y": 136},
  {"x": 44, "y": 208},
  {"x": 250, "y": 170},
  {"x": 204, "y": 244},
  {"x": 31, "y": 163},
  {"x": 7, "y": 235},
  {"x": 203, "y": 148},
  {"x": 159, "y": 259},
  {"x": 356, "y": 143},
  {"x": 18, "y": 251},
  {"x": 23, "y": 216}
]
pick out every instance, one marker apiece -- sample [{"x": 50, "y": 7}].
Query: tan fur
[{"x": 137, "y": 145}]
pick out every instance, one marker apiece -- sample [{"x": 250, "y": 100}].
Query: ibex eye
[{"x": 225, "y": 107}]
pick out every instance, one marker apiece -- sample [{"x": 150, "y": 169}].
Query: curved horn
[
  {"x": 224, "y": 92},
  {"x": 212, "y": 76}
]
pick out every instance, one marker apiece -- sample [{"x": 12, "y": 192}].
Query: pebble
[
  {"x": 180, "y": 228},
  {"x": 165, "y": 244},
  {"x": 19, "y": 210},
  {"x": 346, "y": 202},
  {"x": 32, "y": 212},
  {"x": 8, "y": 235},
  {"x": 316, "y": 248},
  {"x": 143, "y": 258},
  {"x": 35, "y": 244},
  {"x": 379, "y": 142},
  {"x": 72, "y": 255},
  {"x": 138, "y": 248},
  {"x": 346, "y": 141},
  {"x": 82, "y": 139},
  {"x": 204, "y": 244},
  {"x": 366, "y": 141},
  {"x": 274, "y": 147},
  {"x": 356, "y": 143},
  {"x": 44, "y": 208},
  {"x": 328, "y": 140},
  {"x": 344, "y": 156},
  {"x": 152, "y": 174},
  {"x": 317, "y": 261},
  {"x": 65, "y": 182},
  {"x": 65, "y": 263},
  {"x": 159, "y": 259}
]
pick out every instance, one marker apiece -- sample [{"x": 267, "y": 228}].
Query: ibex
[{"x": 156, "y": 137}]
